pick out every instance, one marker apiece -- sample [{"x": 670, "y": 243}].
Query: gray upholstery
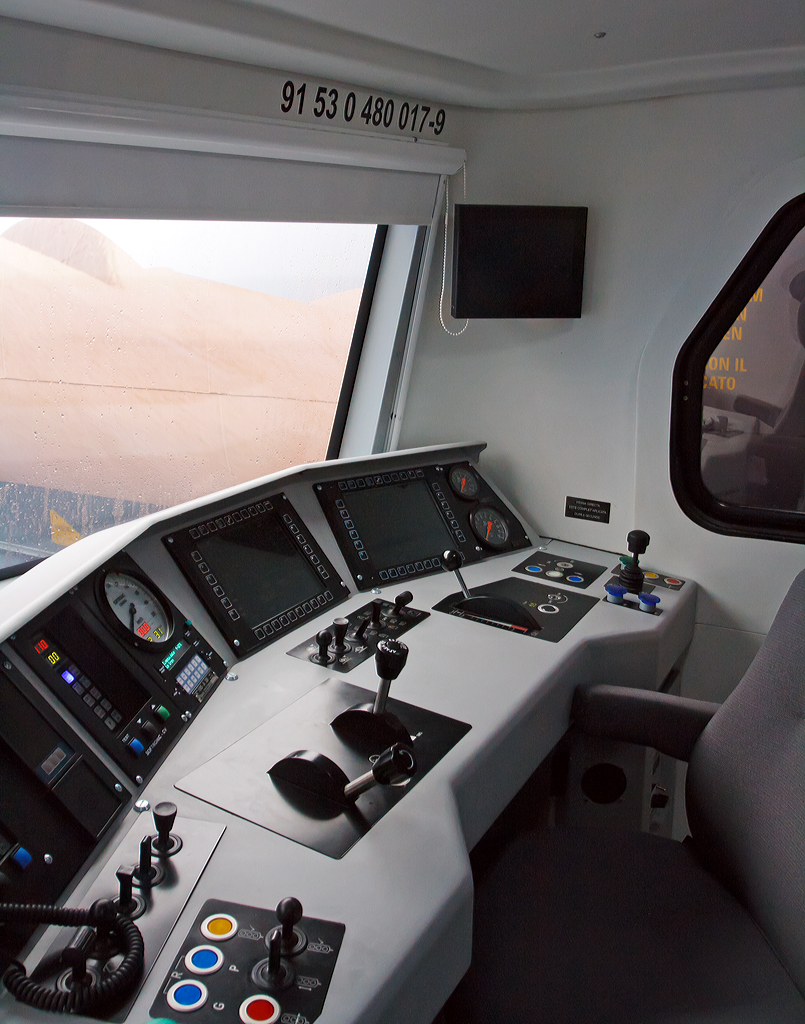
[
  {"x": 667, "y": 723},
  {"x": 584, "y": 926},
  {"x": 745, "y": 794}
]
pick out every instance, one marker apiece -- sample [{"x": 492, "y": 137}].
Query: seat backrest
[{"x": 746, "y": 787}]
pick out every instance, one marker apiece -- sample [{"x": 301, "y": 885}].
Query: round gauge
[
  {"x": 490, "y": 527},
  {"x": 143, "y": 615},
  {"x": 464, "y": 482}
]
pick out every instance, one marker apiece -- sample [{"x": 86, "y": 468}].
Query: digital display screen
[
  {"x": 170, "y": 660},
  {"x": 261, "y": 569},
  {"x": 83, "y": 665},
  {"x": 399, "y": 523}
]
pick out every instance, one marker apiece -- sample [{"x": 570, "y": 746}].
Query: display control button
[
  {"x": 136, "y": 747},
  {"x": 204, "y": 960},
  {"x": 219, "y": 927},
  {"x": 163, "y": 712},
  {"x": 21, "y": 858},
  {"x": 259, "y": 1010},
  {"x": 185, "y": 996}
]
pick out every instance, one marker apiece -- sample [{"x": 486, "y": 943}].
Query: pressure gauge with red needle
[
  {"x": 490, "y": 527},
  {"x": 464, "y": 482}
]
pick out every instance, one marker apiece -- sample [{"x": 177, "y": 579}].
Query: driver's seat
[{"x": 608, "y": 926}]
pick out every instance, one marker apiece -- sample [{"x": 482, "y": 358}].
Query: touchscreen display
[
  {"x": 261, "y": 569},
  {"x": 399, "y": 523}
]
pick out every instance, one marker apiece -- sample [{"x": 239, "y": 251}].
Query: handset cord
[
  {"x": 94, "y": 999},
  {"x": 445, "y": 328}
]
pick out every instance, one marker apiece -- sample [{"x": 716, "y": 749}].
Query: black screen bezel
[{"x": 246, "y": 633}]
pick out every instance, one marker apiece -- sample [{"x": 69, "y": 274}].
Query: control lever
[
  {"x": 323, "y": 656},
  {"x": 129, "y": 903},
  {"x": 631, "y": 575},
  {"x": 488, "y": 606},
  {"x": 393, "y": 765},
  {"x": 370, "y": 726},
  {"x": 318, "y": 774},
  {"x": 147, "y": 874},
  {"x": 452, "y": 562},
  {"x": 289, "y": 914},
  {"x": 165, "y": 843},
  {"x": 273, "y": 974},
  {"x": 402, "y": 601},
  {"x": 339, "y": 629}
]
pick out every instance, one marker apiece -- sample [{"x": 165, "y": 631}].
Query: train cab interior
[{"x": 402, "y": 478}]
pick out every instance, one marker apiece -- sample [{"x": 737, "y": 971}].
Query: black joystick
[
  {"x": 370, "y": 727},
  {"x": 488, "y": 606},
  {"x": 377, "y": 611},
  {"x": 147, "y": 874},
  {"x": 292, "y": 939},
  {"x": 452, "y": 562},
  {"x": 319, "y": 775},
  {"x": 165, "y": 843},
  {"x": 323, "y": 656},
  {"x": 129, "y": 903},
  {"x": 631, "y": 575},
  {"x": 402, "y": 601},
  {"x": 273, "y": 974},
  {"x": 339, "y": 629}
]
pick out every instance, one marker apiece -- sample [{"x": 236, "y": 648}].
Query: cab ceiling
[{"x": 519, "y": 54}]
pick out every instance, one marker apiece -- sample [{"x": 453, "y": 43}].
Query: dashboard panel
[{"x": 195, "y": 706}]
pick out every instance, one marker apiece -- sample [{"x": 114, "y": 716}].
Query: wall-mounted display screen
[
  {"x": 257, "y": 570},
  {"x": 518, "y": 261}
]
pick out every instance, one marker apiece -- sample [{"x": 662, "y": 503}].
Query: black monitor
[
  {"x": 518, "y": 261},
  {"x": 257, "y": 570}
]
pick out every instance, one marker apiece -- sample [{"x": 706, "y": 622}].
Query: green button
[{"x": 163, "y": 713}]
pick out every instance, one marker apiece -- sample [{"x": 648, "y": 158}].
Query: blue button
[
  {"x": 533, "y": 568},
  {"x": 186, "y": 995},
  {"x": 575, "y": 579},
  {"x": 22, "y": 858},
  {"x": 136, "y": 747},
  {"x": 204, "y": 960}
]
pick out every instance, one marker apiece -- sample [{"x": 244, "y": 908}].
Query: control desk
[{"x": 271, "y": 723}]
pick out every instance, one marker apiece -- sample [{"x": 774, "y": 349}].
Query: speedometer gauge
[
  {"x": 144, "y": 616},
  {"x": 490, "y": 527}
]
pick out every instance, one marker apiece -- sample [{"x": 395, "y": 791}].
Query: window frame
[{"x": 687, "y": 394}]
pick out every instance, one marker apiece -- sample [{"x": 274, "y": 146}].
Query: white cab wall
[{"x": 678, "y": 189}]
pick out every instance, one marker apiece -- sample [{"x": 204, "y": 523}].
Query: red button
[{"x": 259, "y": 1010}]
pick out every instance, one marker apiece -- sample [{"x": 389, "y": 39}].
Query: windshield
[{"x": 144, "y": 363}]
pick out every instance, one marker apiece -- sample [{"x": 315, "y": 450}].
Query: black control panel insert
[
  {"x": 257, "y": 571},
  {"x": 125, "y": 662},
  {"x": 227, "y": 969},
  {"x": 560, "y": 569},
  {"x": 393, "y": 526},
  {"x": 56, "y": 801}
]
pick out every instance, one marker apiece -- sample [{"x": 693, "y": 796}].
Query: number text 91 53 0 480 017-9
[{"x": 360, "y": 109}]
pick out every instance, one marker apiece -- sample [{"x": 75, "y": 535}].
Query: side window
[{"x": 738, "y": 405}]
